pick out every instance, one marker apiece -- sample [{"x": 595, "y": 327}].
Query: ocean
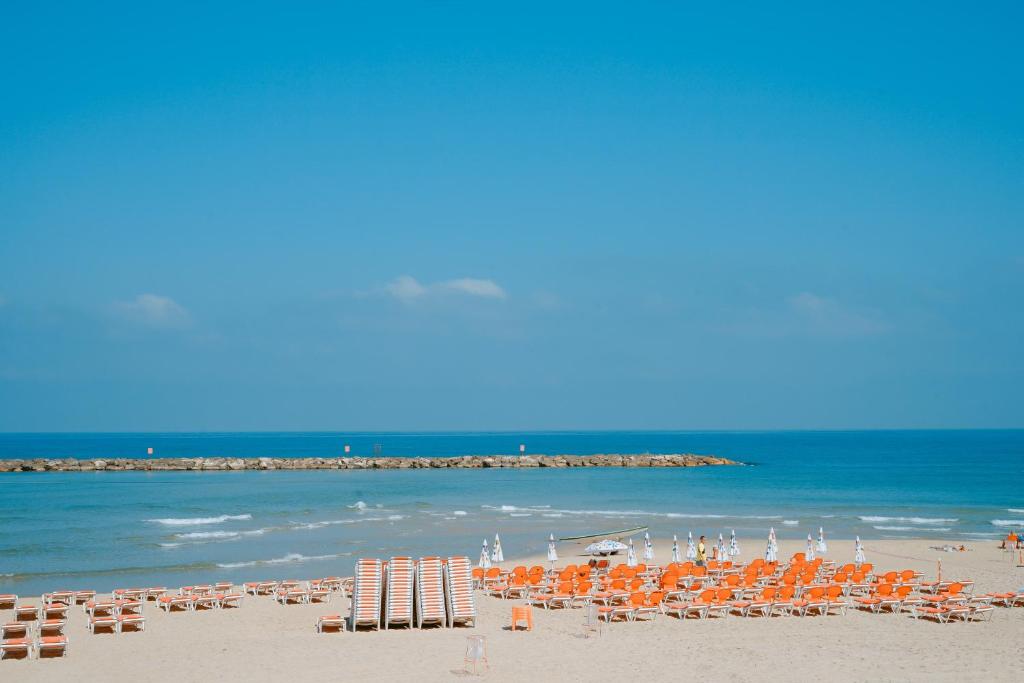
[{"x": 103, "y": 530}]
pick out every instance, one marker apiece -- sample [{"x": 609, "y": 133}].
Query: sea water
[{"x": 102, "y": 530}]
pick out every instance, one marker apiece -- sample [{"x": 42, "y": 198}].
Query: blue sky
[{"x": 437, "y": 217}]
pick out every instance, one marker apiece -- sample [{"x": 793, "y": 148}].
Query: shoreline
[{"x": 360, "y": 463}]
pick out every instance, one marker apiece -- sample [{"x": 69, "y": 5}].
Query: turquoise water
[{"x": 109, "y": 529}]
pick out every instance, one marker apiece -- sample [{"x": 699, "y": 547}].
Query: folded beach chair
[
  {"x": 430, "y": 601},
  {"x": 26, "y": 612},
  {"x": 52, "y": 646},
  {"x": 135, "y": 622},
  {"x": 330, "y": 621},
  {"x": 52, "y": 627},
  {"x": 15, "y": 646},
  {"x": 459, "y": 593},
  {"x": 13, "y": 629},
  {"x": 398, "y": 601},
  {"x": 366, "y": 594},
  {"x": 102, "y": 623}
]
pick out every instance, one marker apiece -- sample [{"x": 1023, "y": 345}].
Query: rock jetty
[{"x": 354, "y": 463}]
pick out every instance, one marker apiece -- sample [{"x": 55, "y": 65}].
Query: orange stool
[{"x": 523, "y": 613}]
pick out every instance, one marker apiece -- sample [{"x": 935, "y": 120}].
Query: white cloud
[
  {"x": 408, "y": 289},
  {"x": 822, "y": 315},
  {"x": 405, "y": 288},
  {"x": 153, "y": 310},
  {"x": 476, "y": 287}
]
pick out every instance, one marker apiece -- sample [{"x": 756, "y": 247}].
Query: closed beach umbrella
[
  {"x": 771, "y": 552},
  {"x": 691, "y": 550},
  {"x": 675, "y": 549},
  {"x": 648, "y": 548},
  {"x": 496, "y": 554},
  {"x": 485, "y": 557},
  {"x": 810, "y": 549},
  {"x": 552, "y": 553},
  {"x": 630, "y": 554},
  {"x": 722, "y": 552},
  {"x": 822, "y": 548},
  {"x": 734, "y": 546},
  {"x": 858, "y": 552}
]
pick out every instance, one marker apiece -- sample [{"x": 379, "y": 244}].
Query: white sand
[{"x": 264, "y": 641}]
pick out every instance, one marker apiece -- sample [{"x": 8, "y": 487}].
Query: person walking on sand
[{"x": 702, "y": 552}]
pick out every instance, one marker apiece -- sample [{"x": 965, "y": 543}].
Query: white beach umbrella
[
  {"x": 675, "y": 549},
  {"x": 552, "y": 553},
  {"x": 496, "y": 554},
  {"x": 630, "y": 554},
  {"x": 858, "y": 552},
  {"x": 485, "y": 557},
  {"x": 691, "y": 549},
  {"x": 771, "y": 553},
  {"x": 822, "y": 547},
  {"x": 810, "y": 549},
  {"x": 734, "y": 545},
  {"x": 648, "y": 548},
  {"x": 722, "y": 552}
]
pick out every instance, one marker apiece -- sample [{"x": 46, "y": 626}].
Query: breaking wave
[{"x": 193, "y": 521}]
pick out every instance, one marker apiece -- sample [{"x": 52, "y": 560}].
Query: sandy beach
[{"x": 264, "y": 641}]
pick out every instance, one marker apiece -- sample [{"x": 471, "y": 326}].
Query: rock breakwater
[{"x": 356, "y": 463}]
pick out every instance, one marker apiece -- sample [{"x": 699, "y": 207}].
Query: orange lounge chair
[
  {"x": 169, "y": 603},
  {"x": 230, "y": 600},
  {"x": 761, "y": 604},
  {"x": 53, "y": 646},
  {"x": 813, "y": 599},
  {"x": 698, "y": 605},
  {"x": 834, "y": 600},
  {"x": 330, "y": 622},
  {"x": 882, "y": 594},
  {"x": 653, "y": 604},
  {"x": 8, "y": 600}
]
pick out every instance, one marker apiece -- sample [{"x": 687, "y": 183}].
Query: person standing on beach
[{"x": 702, "y": 552}]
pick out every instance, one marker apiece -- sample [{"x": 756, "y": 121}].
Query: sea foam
[
  {"x": 193, "y": 521},
  {"x": 1008, "y": 522},
  {"x": 912, "y": 520},
  {"x": 287, "y": 559}
]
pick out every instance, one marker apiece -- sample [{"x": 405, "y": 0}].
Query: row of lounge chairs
[
  {"x": 410, "y": 593},
  {"x": 799, "y": 588}
]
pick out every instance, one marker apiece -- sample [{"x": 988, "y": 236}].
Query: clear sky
[{"x": 437, "y": 216}]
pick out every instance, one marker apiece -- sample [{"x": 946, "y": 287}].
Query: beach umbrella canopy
[
  {"x": 552, "y": 553},
  {"x": 858, "y": 552},
  {"x": 734, "y": 546},
  {"x": 631, "y": 554},
  {"x": 605, "y": 547},
  {"x": 771, "y": 553},
  {"x": 485, "y": 557},
  {"x": 722, "y": 552},
  {"x": 691, "y": 549},
  {"x": 822, "y": 548},
  {"x": 648, "y": 548},
  {"x": 496, "y": 554},
  {"x": 675, "y": 549},
  {"x": 810, "y": 549}
]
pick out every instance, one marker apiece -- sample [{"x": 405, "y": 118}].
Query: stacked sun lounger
[
  {"x": 366, "y": 594},
  {"x": 430, "y": 601},
  {"x": 398, "y": 602},
  {"x": 459, "y": 591}
]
